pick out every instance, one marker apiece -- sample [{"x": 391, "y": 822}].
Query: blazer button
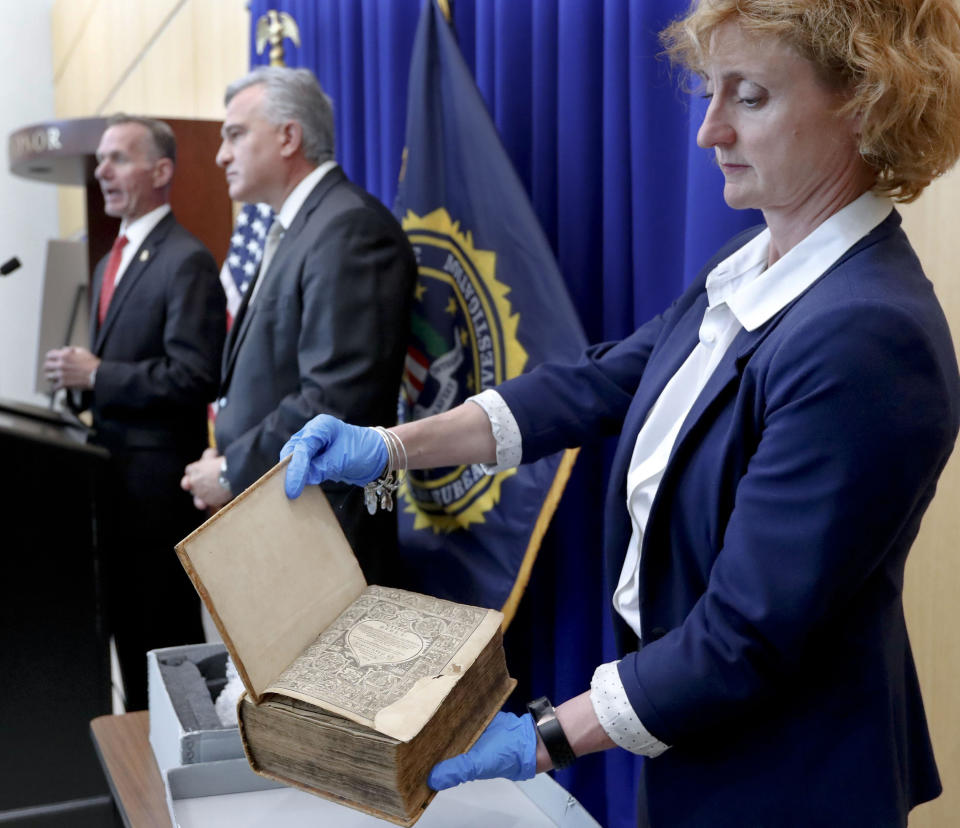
[
  {"x": 221, "y": 403},
  {"x": 656, "y": 634}
]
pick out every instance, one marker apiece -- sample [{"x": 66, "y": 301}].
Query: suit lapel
[
  {"x": 238, "y": 333},
  {"x": 139, "y": 265},
  {"x": 746, "y": 343},
  {"x": 680, "y": 343},
  {"x": 229, "y": 348},
  {"x": 95, "y": 303},
  {"x": 672, "y": 353},
  {"x": 246, "y": 313},
  {"x": 728, "y": 371}
]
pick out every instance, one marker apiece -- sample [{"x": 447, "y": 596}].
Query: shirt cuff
[
  {"x": 616, "y": 715},
  {"x": 505, "y": 431}
]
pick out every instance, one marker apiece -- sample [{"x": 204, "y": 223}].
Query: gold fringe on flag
[{"x": 550, "y": 503}]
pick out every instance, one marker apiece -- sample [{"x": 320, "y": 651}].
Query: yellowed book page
[
  {"x": 274, "y": 573},
  {"x": 390, "y": 659}
]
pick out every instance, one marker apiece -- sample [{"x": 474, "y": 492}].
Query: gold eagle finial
[{"x": 272, "y": 28}]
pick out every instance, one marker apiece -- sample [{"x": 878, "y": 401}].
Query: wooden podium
[{"x": 64, "y": 152}]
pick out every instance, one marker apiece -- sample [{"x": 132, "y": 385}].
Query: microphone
[{"x": 9, "y": 266}]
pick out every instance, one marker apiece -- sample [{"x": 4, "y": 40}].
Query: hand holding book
[
  {"x": 353, "y": 691},
  {"x": 507, "y": 748}
]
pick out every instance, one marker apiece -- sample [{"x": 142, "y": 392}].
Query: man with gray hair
[{"x": 323, "y": 326}]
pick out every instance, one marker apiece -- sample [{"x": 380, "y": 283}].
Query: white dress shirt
[
  {"x": 282, "y": 220},
  {"x": 742, "y": 294},
  {"x": 136, "y": 232}
]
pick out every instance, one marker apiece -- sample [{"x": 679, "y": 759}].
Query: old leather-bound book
[{"x": 353, "y": 692}]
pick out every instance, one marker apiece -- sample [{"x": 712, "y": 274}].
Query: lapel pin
[{"x": 144, "y": 255}]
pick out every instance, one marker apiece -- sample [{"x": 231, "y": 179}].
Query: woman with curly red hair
[{"x": 782, "y": 428}]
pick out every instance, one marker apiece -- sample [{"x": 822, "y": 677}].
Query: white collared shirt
[
  {"x": 136, "y": 232},
  {"x": 742, "y": 294},
  {"x": 289, "y": 209}
]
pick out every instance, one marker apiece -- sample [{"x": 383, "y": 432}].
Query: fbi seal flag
[
  {"x": 490, "y": 304},
  {"x": 464, "y": 340}
]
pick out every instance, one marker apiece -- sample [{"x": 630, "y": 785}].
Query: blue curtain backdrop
[{"x": 604, "y": 141}]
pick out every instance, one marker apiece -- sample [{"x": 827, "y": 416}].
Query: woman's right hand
[{"x": 329, "y": 449}]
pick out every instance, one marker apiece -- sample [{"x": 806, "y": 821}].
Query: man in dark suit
[
  {"x": 158, "y": 318},
  {"x": 324, "y": 325}
]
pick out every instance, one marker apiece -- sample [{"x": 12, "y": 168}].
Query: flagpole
[
  {"x": 445, "y": 8},
  {"x": 550, "y": 503}
]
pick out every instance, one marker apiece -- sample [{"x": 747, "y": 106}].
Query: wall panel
[
  {"x": 68, "y": 21},
  {"x": 222, "y": 55},
  {"x": 933, "y": 569},
  {"x": 168, "y": 58},
  {"x": 168, "y": 72}
]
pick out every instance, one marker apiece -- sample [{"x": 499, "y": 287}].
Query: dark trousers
[{"x": 150, "y": 601}]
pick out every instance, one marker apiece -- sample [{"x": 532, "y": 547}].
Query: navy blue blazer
[
  {"x": 775, "y": 658},
  {"x": 161, "y": 344}
]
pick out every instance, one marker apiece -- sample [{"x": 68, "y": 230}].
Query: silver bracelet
[{"x": 379, "y": 492}]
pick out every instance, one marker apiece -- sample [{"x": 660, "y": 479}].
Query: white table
[
  {"x": 138, "y": 789},
  {"x": 539, "y": 803}
]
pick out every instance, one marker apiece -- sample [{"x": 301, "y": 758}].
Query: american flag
[{"x": 246, "y": 250}]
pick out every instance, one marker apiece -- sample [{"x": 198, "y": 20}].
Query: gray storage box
[
  {"x": 184, "y": 728},
  {"x": 209, "y": 761},
  {"x": 196, "y": 755}
]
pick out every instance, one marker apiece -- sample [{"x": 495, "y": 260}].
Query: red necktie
[{"x": 110, "y": 277}]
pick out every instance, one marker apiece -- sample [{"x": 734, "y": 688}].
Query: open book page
[
  {"x": 273, "y": 572},
  {"x": 389, "y": 660}
]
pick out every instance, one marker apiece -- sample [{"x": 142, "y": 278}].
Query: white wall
[{"x": 28, "y": 209}]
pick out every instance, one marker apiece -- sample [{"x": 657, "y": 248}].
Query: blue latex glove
[
  {"x": 328, "y": 449},
  {"x": 507, "y": 748}
]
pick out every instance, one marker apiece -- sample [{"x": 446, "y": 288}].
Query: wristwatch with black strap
[{"x": 554, "y": 739}]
